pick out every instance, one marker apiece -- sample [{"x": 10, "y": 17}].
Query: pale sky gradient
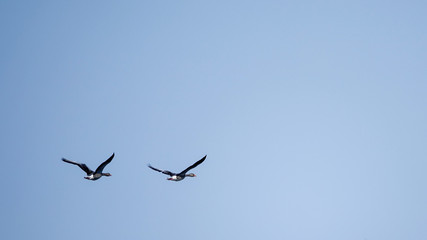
[{"x": 312, "y": 113}]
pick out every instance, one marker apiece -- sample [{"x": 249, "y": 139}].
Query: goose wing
[
  {"x": 102, "y": 166},
  {"x": 194, "y": 165},
  {"x": 162, "y": 171},
  {"x": 81, "y": 165}
]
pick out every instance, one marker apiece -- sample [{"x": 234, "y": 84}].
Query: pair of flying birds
[{"x": 91, "y": 175}]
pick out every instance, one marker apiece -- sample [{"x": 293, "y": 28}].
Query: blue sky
[{"x": 312, "y": 114}]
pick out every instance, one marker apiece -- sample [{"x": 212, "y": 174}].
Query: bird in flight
[
  {"x": 181, "y": 175},
  {"x": 91, "y": 175}
]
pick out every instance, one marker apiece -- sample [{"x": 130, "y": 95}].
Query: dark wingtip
[{"x": 111, "y": 157}]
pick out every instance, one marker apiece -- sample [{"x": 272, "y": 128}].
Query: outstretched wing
[
  {"x": 194, "y": 165},
  {"x": 81, "y": 165},
  {"x": 102, "y": 166},
  {"x": 162, "y": 171}
]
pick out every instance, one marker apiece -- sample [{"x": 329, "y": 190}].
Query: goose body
[
  {"x": 179, "y": 176},
  {"x": 91, "y": 175}
]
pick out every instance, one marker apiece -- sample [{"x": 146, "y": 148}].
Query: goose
[
  {"x": 91, "y": 175},
  {"x": 179, "y": 176}
]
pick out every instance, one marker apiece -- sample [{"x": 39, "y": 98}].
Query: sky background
[{"x": 312, "y": 114}]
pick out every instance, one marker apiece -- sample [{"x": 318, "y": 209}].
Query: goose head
[
  {"x": 106, "y": 174},
  {"x": 190, "y": 175}
]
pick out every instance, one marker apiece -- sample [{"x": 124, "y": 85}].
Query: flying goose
[
  {"x": 181, "y": 175},
  {"x": 91, "y": 175}
]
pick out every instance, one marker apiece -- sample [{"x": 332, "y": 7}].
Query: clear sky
[{"x": 312, "y": 114}]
